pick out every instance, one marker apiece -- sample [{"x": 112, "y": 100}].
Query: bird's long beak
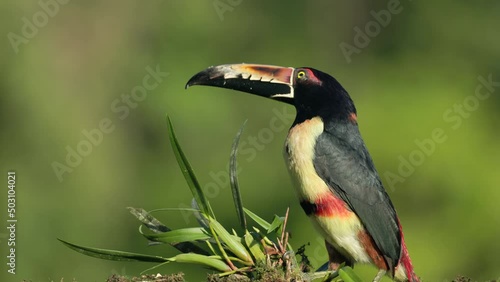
[{"x": 263, "y": 80}]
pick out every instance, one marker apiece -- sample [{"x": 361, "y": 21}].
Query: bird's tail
[{"x": 404, "y": 270}]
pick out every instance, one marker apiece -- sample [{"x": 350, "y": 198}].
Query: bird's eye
[{"x": 301, "y": 74}]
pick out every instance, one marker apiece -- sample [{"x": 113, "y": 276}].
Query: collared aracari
[{"x": 336, "y": 180}]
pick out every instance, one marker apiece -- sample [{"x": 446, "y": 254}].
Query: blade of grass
[
  {"x": 112, "y": 254},
  {"x": 188, "y": 172},
  {"x": 221, "y": 248},
  {"x": 214, "y": 262},
  {"x": 233, "y": 176},
  {"x": 154, "y": 267},
  {"x": 254, "y": 247},
  {"x": 232, "y": 242},
  {"x": 156, "y": 226},
  {"x": 260, "y": 221},
  {"x": 148, "y": 220},
  {"x": 210, "y": 247},
  {"x": 179, "y": 235},
  {"x": 277, "y": 222},
  {"x": 209, "y": 261},
  {"x": 263, "y": 237}
]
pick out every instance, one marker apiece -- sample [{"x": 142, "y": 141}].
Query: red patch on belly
[{"x": 330, "y": 205}]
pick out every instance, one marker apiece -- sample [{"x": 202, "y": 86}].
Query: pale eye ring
[{"x": 301, "y": 74}]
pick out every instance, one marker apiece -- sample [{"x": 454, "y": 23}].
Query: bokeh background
[{"x": 417, "y": 73}]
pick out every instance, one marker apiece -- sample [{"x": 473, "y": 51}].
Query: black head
[{"x": 318, "y": 94}]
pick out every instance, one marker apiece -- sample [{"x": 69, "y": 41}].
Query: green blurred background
[{"x": 416, "y": 75}]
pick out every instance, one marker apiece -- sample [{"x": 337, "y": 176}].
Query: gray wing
[{"x": 346, "y": 166}]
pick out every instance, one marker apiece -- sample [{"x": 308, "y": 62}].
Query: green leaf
[
  {"x": 179, "y": 235},
  {"x": 214, "y": 262},
  {"x": 233, "y": 176},
  {"x": 148, "y": 220},
  {"x": 254, "y": 247},
  {"x": 211, "y": 247},
  {"x": 277, "y": 222},
  {"x": 188, "y": 172},
  {"x": 264, "y": 224},
  {"x": 156, "y": 226},
  {"x": 348, "y": 275},
  {"x": 263, "y": 237},
  {"x": 233, "y": 244},
  {"x": 112, "y": 254}
]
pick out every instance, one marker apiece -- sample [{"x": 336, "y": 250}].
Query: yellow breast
[{"x": 299, "y": 154}]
